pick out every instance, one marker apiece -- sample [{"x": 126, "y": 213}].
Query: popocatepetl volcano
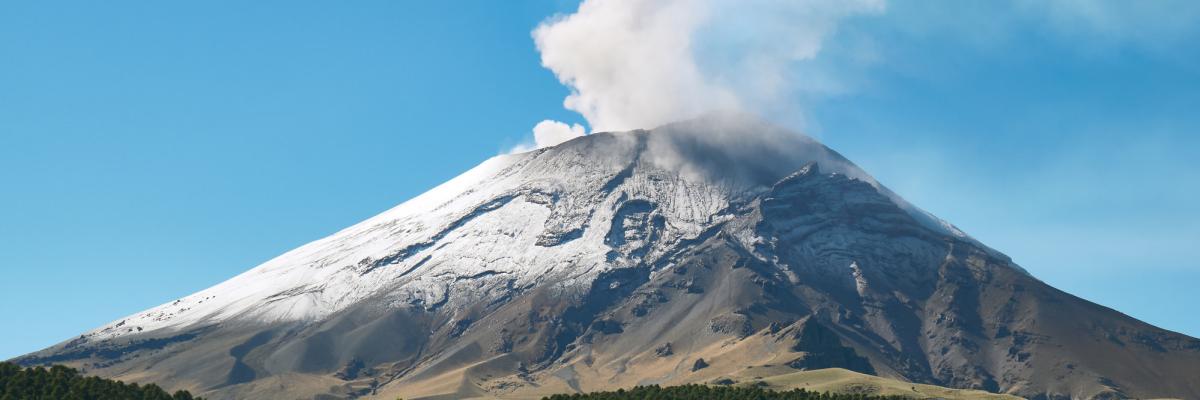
[{"x": 681, "y": 254}]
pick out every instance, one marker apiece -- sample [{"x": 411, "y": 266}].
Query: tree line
[
  {"x": 62, "y": 383},
  {"x": 697, "y": 392}
]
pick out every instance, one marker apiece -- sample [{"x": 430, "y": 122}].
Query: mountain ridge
[{"x": 727, "y": 240}]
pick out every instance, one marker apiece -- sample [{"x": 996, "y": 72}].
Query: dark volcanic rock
[
  {"x": 824, "y": 349},
  {"x": 664, "y": 350}
]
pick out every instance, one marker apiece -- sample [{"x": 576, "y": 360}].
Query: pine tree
[{"x": 62, "y": 383}]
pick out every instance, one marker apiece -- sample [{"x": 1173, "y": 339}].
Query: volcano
[{"x": 688, "y": 253}]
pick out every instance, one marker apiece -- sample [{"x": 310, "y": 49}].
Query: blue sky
[{"x": 149, "y": 150}]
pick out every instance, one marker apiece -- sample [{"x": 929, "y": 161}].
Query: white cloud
[
  {"x": 635, "y": 64},
  {"x": 549, "y": 133},
  {"x": 641, "y": 63}
]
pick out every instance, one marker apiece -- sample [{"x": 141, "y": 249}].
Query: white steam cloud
[
  {"x": 633, "y": 64},
  {"x": 642, "y": 63},
  {"x": 549, "y": 133}
]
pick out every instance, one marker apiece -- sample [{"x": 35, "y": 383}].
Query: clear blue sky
[{"x": 149, "y": 150}]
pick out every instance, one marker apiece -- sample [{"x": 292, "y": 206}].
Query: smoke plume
[
  {"x": 639, "y": 64},
  {"x": 642, "y": 63}
]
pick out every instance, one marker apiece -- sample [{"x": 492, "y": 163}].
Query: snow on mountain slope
[{"x": 515, "y": 234}]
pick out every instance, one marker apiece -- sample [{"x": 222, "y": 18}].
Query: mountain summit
[{"x": 687, "y": 253}]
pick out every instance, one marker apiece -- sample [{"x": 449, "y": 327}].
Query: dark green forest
[
  {"x": 698, "y": 392},
  {"x": 62, "y": 383}
]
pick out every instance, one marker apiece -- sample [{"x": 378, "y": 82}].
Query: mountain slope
[
  {"x": 620, "y": 259},
  {"x": 815, "y": 383}
]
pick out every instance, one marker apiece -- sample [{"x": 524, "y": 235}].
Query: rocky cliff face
[{"x": 727, "y": 242}]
